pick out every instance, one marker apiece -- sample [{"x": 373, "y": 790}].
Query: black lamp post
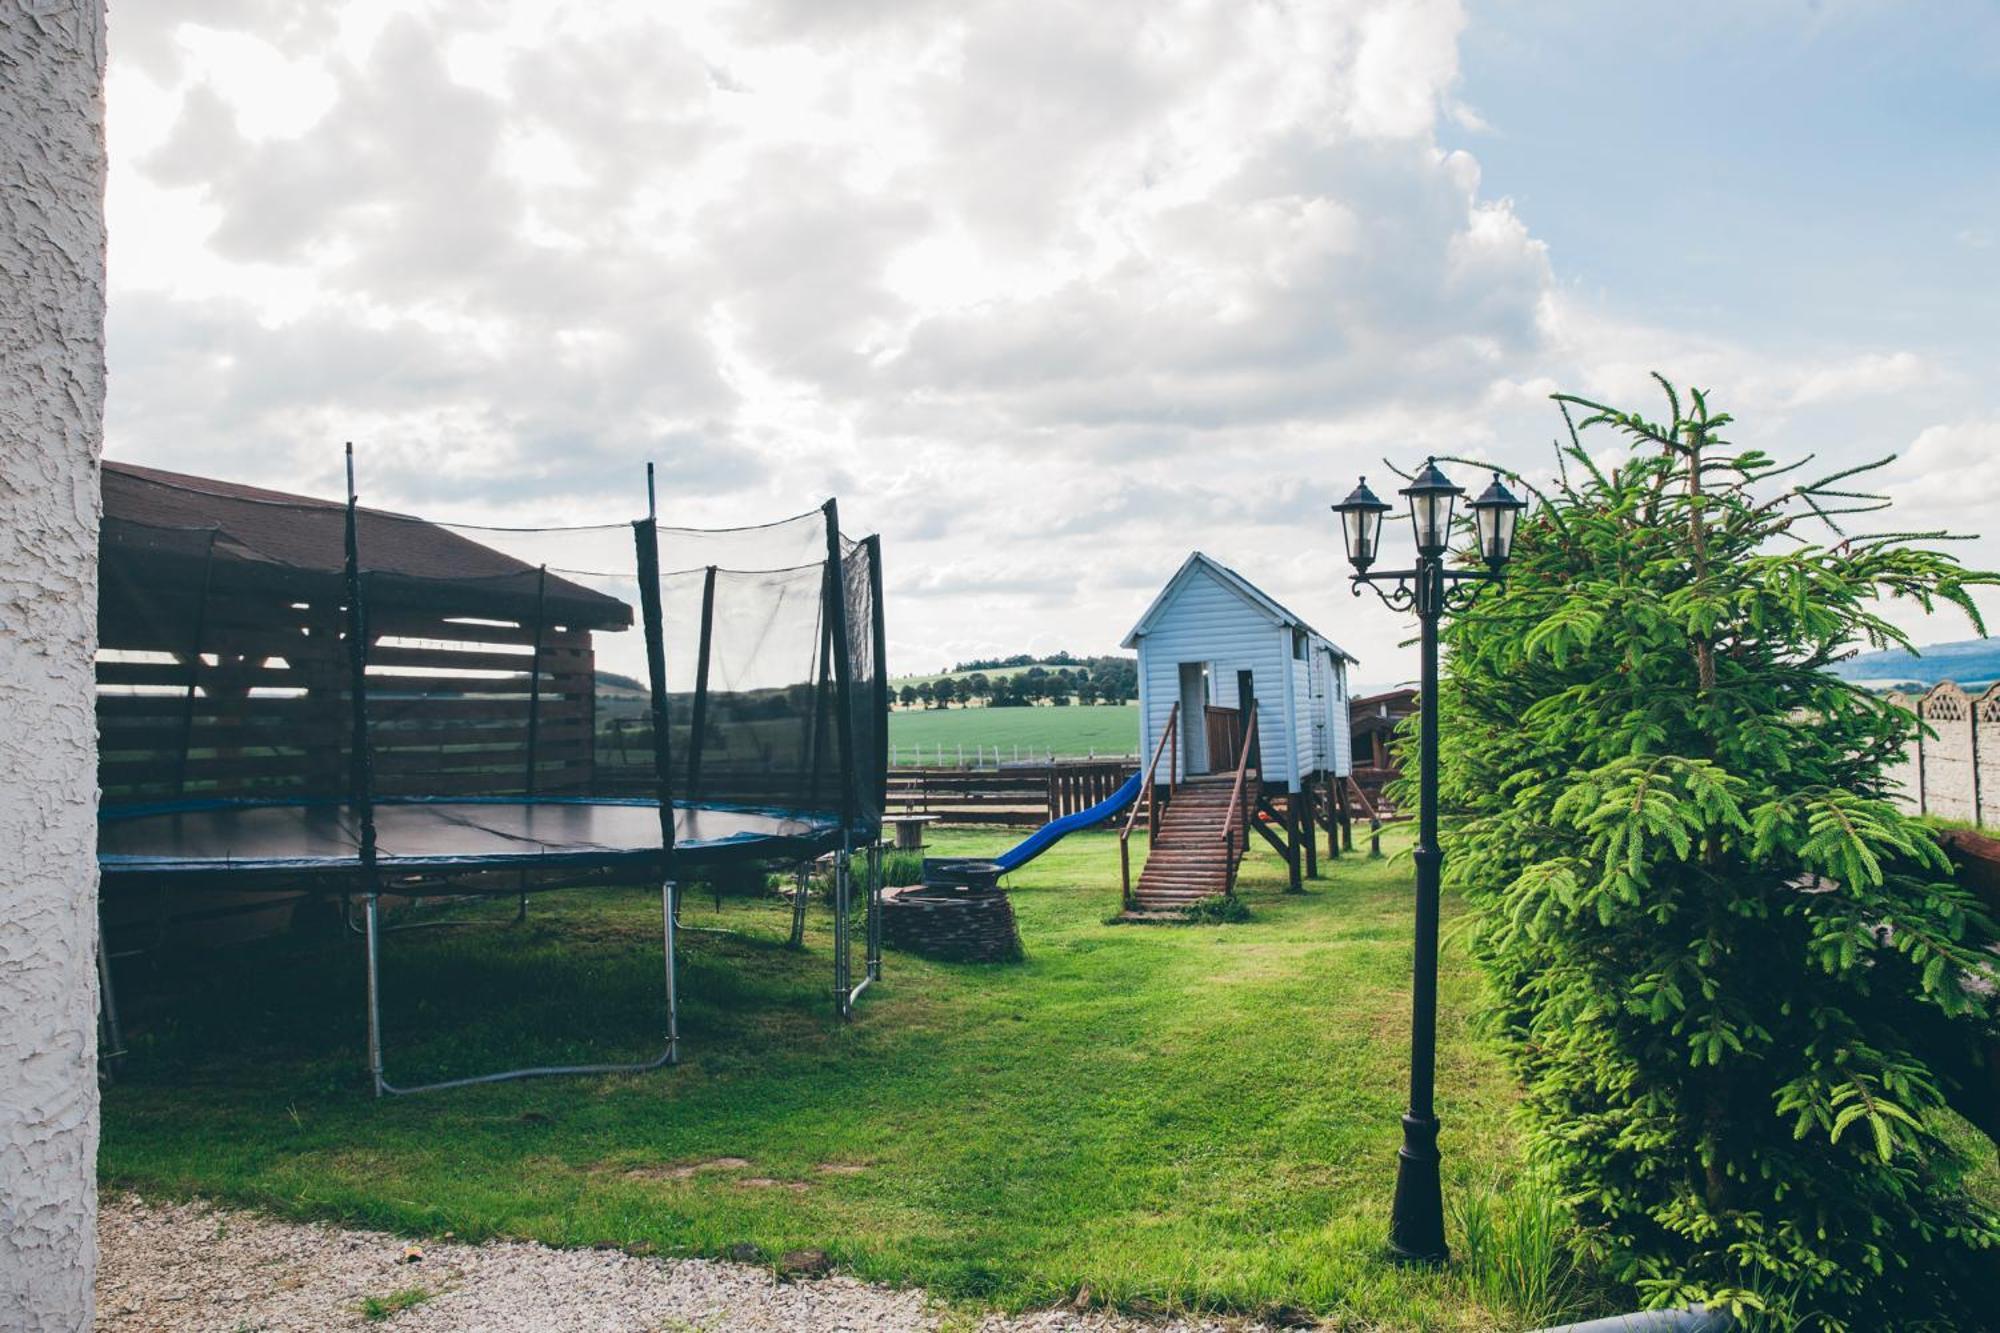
[{"x": 1416, "y": 1226}]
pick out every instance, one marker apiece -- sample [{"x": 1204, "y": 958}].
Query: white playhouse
[{"x": 1211, "y": 642}]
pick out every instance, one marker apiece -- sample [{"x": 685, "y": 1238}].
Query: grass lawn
[
  {"x": 1183, "y": 1117},
  {"x": 1075, "y": 731}
]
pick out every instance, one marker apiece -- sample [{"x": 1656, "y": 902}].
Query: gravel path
[{"x": 200, "y": 1268}]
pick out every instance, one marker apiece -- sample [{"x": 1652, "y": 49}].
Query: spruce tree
[{"x": 1738, "y": 981}]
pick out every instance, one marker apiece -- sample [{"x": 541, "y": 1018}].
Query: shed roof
[
  {"x": 152, "y": 513},
  {"x": 1262, "y": 601}
]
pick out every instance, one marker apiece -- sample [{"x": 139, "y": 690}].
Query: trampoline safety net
[{"x": 262, "y": 651}]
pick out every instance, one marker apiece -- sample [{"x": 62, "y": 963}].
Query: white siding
[
  {"x": 1339, "y": 755},
  {"x": 1207, "y": 621}
]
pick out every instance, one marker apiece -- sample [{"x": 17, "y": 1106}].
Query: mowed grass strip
[
  {"x": 1073, "y": 732},
  {"x": 1188, "y": 1117}
]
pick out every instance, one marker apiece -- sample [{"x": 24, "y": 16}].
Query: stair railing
[
  {"x": 1146, "y": 800},
  {"x": 1238, "y": 822}
]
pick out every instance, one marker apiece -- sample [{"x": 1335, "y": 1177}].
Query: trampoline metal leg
[
  {"x": 372, "y": 919},
  {"x": 668, "y": 911},
  {"x": 114, "y": 1035},
  {"x": 801, "y": 893},
  {"x": 843, "y": 1003},
  {"x": 874, "y": 963},
  {"x": 669, "y": 903}
]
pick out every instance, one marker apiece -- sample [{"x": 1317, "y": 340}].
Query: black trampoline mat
[{"x": 443, "y": 835}]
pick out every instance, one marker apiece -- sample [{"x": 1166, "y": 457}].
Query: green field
[
  {"x": 1072, "y": 732},
  {"x": 1155, "y": 1117}
]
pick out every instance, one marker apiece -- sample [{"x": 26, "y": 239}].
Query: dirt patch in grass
[
  {"x": 684, "y": 1170},
  {"x": 841, "y": 1168}
]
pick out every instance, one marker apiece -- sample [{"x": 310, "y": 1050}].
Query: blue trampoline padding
[
  {"x": 1053, "y": 832},
  {"x": 420, "y": 834}
]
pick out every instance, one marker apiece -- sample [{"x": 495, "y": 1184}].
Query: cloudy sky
[{"x": 1047, "y": 293}]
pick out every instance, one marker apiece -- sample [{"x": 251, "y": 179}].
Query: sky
[{"x": 1047, "y": 294}]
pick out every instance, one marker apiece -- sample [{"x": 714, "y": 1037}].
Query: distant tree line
[
  {"x": 1060, "y": 680},
  {"x": 1062, "y": 659}
]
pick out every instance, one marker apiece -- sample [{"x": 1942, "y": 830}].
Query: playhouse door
[{"x": 1194, "y": 732}]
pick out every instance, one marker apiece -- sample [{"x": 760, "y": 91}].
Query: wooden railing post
[
  {"x": 1240, "y": 808},
  {"x": 1149, "y": 796}
]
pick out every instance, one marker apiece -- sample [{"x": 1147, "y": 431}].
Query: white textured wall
[{"x": 51, "y": 418}]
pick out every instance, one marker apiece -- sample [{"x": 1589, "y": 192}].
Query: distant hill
[{"x": 1970, "y": 662}]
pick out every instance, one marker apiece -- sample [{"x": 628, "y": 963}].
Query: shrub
[
  {"x": 1728, "y": 968},
  {"x": 1217, "y": 909},
  {"x": 900, "y": 868},
  {"x": 733, "y": 879}
]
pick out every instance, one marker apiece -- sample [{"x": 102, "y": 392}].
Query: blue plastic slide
[{"x": 1051, "y": 833}]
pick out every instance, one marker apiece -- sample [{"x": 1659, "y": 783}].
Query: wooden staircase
[{"x": 1196, "y": 850}]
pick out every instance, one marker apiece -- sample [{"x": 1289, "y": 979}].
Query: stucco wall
[{"x": 51, "y": 418}]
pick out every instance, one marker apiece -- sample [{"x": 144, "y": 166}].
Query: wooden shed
[
  {"x": 222, "y": 669},
  {"x": 1210, "y": 642}
]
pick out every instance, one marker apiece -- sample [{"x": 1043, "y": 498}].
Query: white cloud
[{"x": 1051, "y": 292}]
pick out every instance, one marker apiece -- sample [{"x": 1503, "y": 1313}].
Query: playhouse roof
[{"x": 1262, "y": 601}]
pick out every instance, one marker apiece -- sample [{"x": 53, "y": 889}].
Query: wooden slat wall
[{"x": 270, "y": 716}]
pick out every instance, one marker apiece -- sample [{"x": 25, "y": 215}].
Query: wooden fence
[{"x": 1027, "y": 794}]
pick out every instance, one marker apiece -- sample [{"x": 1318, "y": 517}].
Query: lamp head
[
  {"x": 1432, "y": 496},
  {"x": 1361, "y": 525}
]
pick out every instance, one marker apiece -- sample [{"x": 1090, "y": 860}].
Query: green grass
[
  {"x": 1200, "y": 1117},
  {"x": 1075, "y": 731},
  {"x": 375, "y": 1309}
]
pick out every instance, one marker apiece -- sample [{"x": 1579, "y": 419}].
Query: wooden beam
[{"x": 1307, "y": 822}]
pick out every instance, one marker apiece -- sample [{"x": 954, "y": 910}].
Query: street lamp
[{"x": 1416, "y": 1226}]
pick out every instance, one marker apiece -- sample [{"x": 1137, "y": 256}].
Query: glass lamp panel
[
  {"x": 1503, "y": 535},
  {"x": 1486, "y": 523},
  {"x": 1370, "y": 535},
  {"x": 1430, "y": 512}
]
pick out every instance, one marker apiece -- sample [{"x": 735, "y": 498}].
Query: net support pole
[
  {"x": 361, "y": 793},
  {"x": 880, "y": 634},
  {"x": 816, "y": 740},
  {"x": 529, "y": 778},
  {"x": 837, "y": 644},
  {"x": 199, "y": 636},
  {"x": 700, "y": 715},
  {"x": 647, "y": 539},
  {"x": 879, "y": 778}
]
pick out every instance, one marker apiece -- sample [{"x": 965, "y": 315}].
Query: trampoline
[
  {"x": 416, "y": 835},
  {"x": 350, "y": 702}
]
